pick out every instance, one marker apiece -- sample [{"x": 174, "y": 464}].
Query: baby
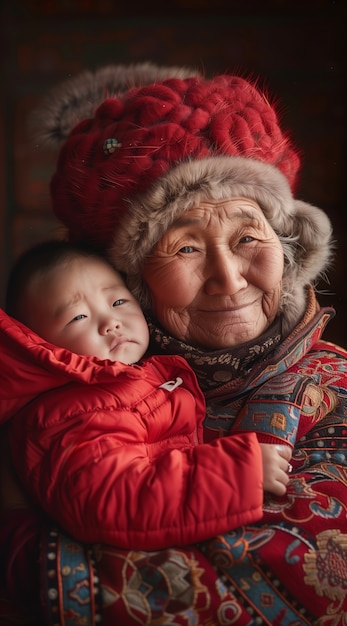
[{"x": 108, "y": 442}]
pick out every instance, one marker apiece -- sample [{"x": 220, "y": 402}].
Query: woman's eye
[
  {"x": 186, "y": 249},
  {"x": 118, "y": 302},
  {"x": 246, "y": 239}
]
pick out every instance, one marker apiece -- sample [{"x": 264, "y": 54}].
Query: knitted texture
[{"x": 154, "y": 128}]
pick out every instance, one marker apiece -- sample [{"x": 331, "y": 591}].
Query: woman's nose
[{"x": 225, "y": 274}]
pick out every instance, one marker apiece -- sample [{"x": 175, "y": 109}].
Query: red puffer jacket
[{"x": 114, "y": 453}]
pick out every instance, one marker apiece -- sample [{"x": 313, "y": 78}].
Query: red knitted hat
[
  {"x": 155, "y": 141},
  {"x": 134, "y": 140}
]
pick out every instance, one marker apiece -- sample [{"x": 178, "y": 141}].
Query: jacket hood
[{"x": 31, "y": 366}]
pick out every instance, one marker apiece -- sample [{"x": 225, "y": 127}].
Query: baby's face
[{"x": 85, "y": 307}]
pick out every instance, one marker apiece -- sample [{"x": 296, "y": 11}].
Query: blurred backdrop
[{"x": 296, "y": 49}]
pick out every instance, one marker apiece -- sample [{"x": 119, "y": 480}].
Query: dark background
[{"x": 295, "y": 48}]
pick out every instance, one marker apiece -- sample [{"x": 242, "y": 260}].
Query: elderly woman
[{"x": 187, "y": 185}]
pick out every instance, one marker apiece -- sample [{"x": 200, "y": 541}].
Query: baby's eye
[
  {"x": 118, "y": 302},
  {"x": 78, "y": 317},
  {"x": 187, "y": 249}
]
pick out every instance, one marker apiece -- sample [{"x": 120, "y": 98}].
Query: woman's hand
[{"x": 276, "y": 467}]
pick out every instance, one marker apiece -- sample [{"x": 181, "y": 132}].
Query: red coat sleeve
[
  {"x": 128, "y": 499},
  {"x": 102, "y": 485}
]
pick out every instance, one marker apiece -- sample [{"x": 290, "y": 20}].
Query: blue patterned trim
[{"x": 70, "y": 592}]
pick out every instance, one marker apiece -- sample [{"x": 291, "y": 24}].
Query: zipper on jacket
[{"x": 170, "y": 385}]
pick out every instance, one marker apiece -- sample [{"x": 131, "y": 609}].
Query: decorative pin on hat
[{"x": 110, "y": 145}]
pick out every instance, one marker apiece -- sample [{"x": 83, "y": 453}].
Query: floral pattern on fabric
[{"x": 290, "y": 568}]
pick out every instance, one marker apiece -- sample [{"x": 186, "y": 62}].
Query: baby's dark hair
[{"x": 39, "y": 260}]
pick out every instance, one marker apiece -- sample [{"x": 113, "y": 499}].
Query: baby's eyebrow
[
  {"x": 67, "y": 304},
  {"x": 115, "y": 287}
]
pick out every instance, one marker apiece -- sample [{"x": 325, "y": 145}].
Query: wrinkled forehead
[
  {"x": 230, "y": 215},
  {"x": 230, "y": 208}
]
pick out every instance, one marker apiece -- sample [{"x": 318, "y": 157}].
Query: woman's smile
[{"x": 231, "y": 308}]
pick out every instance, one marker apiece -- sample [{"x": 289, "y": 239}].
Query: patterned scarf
[
  {"x": 217, "y": 367},
  {"x": 227, "y": 370}
]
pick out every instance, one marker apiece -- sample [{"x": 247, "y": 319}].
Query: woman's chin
[
  {"x": 220, "y": 336},
  {"x": 223, "y": 340}
]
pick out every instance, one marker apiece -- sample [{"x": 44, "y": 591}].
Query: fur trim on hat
[
  {"x": 304, "y": 230},
  {"x": 77, "y": 98}
]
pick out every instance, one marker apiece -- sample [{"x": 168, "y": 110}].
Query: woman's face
[{"x": 215, "y": 276}]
